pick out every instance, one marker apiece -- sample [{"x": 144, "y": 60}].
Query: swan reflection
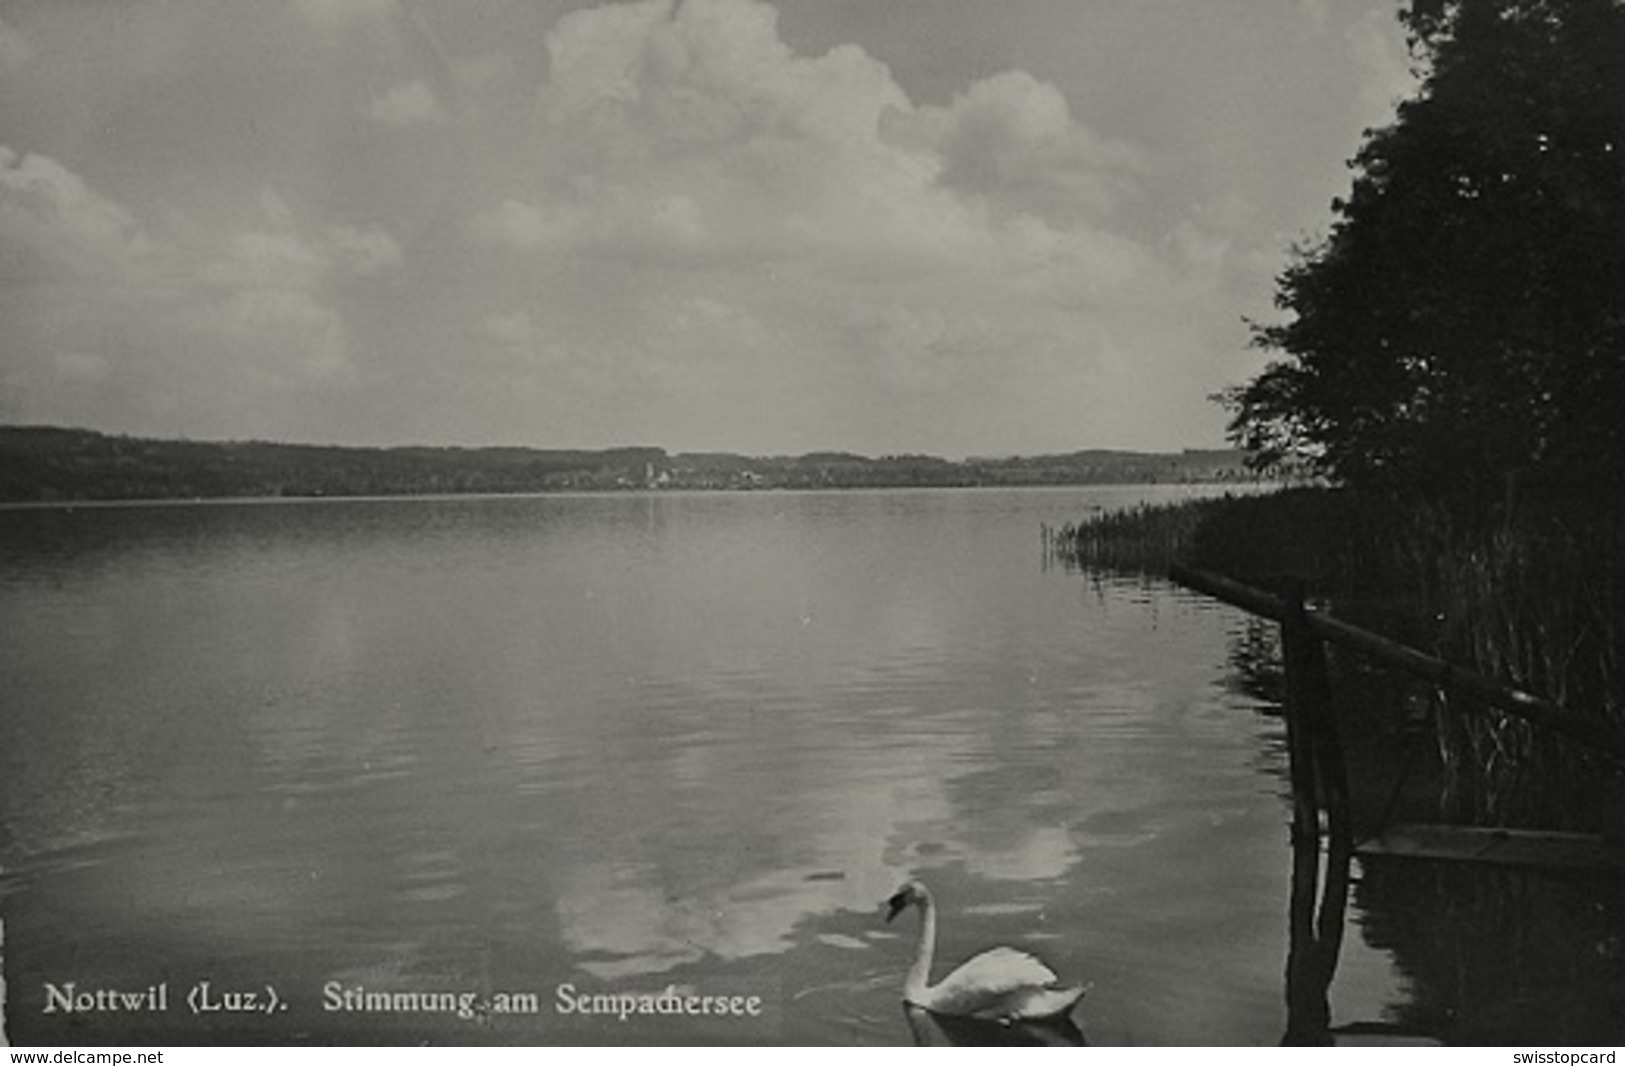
[{"x": 940, "y": 1030}]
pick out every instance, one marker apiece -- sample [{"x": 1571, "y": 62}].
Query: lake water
[{"x": 530, "y": 749}]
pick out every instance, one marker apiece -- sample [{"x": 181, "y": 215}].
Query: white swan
[{"x": 1003, "y": 984}]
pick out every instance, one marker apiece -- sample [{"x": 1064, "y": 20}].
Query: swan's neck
[{"x": 919, "y": 975}]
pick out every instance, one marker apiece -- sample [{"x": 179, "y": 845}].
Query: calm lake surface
[{"x": 621, "y": 742}]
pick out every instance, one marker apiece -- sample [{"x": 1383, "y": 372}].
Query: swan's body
[{"x": 1002, "y": 984}]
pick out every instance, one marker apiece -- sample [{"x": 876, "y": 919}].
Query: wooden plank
[{"x": 1501, "y": 847}]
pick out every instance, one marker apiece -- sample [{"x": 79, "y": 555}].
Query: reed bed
[
  {"x": 1534, "y": 598},
  {"x": 1141, "y": 540},
  {"x": 1540, "y": 603}
]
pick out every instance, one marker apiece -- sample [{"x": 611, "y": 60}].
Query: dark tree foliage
[{"x": 1463, "y": 323}]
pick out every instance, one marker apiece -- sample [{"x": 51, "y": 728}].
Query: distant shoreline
[
  {"x": 50, "y": 465},
  {"x": 113, "y": 503}
]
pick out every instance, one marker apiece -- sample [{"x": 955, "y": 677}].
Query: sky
[{"x": 953, "y": 227}]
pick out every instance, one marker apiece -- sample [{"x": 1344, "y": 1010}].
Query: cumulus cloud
[
  {"x": 338, "y": 16},
  {"x": 898, "y": 249},
  {"x": 696, "y": 128},
  {"x": 512, "y": 329},
  {"x": 275, "y": 284},
  {"x": 406, "y": 104},
  {"x": 1317, "y": 13},
  {"x": 275, "y": 259},
  {"x": 51, "y": 220},
  {"x": 14, "y": 47},
  {"x": 362, "y": 251},
  {"x": 79, "y": 366},
  {"x": 659, "y": 208},
  {"x": 152, "y": 321},
  {"x": 523, "y": 225},
  {"x": 1013, "y": 139},
  {"x": 311, "y": 343},
  {"x": 276, "y": 253}
]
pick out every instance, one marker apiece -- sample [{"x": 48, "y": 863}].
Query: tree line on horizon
[{"x": 43, "y": 464}]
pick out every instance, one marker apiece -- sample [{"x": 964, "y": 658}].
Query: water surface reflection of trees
[
  {"x": 1490, "y": 955},
  {"x": 1496, "y": 955}
]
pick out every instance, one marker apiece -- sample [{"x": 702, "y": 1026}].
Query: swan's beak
[{"x": 895, "y": 906}]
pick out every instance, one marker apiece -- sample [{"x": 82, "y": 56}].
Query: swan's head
[{"x": 912, "y": 894}]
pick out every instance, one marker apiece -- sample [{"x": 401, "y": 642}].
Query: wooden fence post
[
  {"x": 1309, "y": 712},
  {"x": 1299, "y": 647},
  {"x": 1319, "y": 777}
]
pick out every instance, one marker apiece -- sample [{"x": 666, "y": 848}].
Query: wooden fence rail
[
  {"x": 1597, "y": 733},
  {"x": 1319, "y": 780}
]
